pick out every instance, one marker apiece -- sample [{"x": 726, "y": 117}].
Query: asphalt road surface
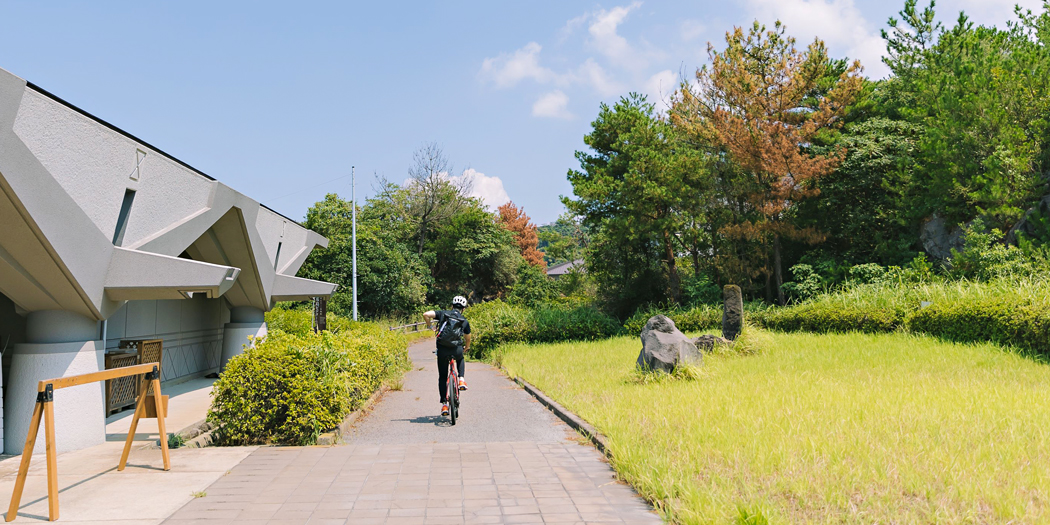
[{"x": 494, "y": 409}]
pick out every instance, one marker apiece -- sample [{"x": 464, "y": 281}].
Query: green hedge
[
  {"x": 496, "y": 322},
  {"x": 301, "y": 321},
  {"x": 1008, "y": 313},
  {"x": 694, "y": 319},
  {"x": 291, "y": 387},
  {"x": 1004, "y": 320},
  {"x": 826, "y": 317}
]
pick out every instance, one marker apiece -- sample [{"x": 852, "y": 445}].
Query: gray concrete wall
[
  {"x": 64, "y": 178},
  {"x": 12, "y": 332},
  {"x": 192, "y": 331}
]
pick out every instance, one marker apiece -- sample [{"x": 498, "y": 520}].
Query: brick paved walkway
[{"x": 503, "y": 470}]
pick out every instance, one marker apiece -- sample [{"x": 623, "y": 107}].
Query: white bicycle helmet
[{"x": 460, "y": 301}]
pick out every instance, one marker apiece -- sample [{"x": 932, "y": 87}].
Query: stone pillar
[
  {"x": 732, "y": 312},
  {"x": 245, "y": 321},
  {"x": 58, "y": 343}
]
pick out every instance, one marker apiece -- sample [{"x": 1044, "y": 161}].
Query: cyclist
[{"x": 453, "y": 339}]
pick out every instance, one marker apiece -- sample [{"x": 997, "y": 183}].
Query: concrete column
[
  {"x": 245, "y": 322},
  {"x": 58, "y": 343}
]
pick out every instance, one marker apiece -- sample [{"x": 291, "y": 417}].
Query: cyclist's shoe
[
  {"x": 444, "y": 409},
  {"x": 462, "y": 383}
]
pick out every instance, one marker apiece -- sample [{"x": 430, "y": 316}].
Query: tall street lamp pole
[{"x": 353, "y": 228}]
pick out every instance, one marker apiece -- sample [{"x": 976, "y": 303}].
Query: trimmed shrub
[
  {"x": 584, "y": 323},
  {"x": 826, "y": 317},
  {"x": 289, "y": 388},
  {"x": 1005, "y": 320},
  {"x": 496, "y": 322},
  {"x": 695, "y": 319},
  {"x": 301, "y": 321}
]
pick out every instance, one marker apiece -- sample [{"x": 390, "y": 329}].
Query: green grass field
[{"x": 852, "y": 428}]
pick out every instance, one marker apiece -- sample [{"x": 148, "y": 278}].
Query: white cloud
[
  {"x": 660, "y": 87},
  {"x": 552, "y": 105},
  {"x": 507, "y": 70},
  {"x": 606, "y": 40},
  {"x": 691, "y": 29},
  {"x": 590, "y": 72},
  {"x": 489, "y": 189},
  {"x": 837, "y": 22},
  {"x": 570, "y": 27}
]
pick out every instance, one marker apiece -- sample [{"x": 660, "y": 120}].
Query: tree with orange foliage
[
  {"x": 763, "y": 102},
  {"x": 514, "y": 220}
]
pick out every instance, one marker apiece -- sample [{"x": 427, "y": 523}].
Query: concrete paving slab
[
  {"x": 92, "y": 491},
  {"x": 188, "y": 403},
  {"x": 509, "y": 460}
]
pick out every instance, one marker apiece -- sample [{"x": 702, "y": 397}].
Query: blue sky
[{"x": 278, "y": 100}]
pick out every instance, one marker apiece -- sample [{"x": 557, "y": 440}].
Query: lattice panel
[
  {"x": 123, "y": 391},
  {"x": 147, "y": 351}
]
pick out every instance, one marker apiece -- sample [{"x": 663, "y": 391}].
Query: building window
[
  {"x": 277, "y": 257},
  {"x": 122, "y": 219}
]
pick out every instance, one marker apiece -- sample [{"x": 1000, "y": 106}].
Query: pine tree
[{"x": 514, "y": 220}]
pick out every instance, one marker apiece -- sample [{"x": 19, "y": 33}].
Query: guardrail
[
  {"x": 45, "y": 407},
  {"x": 415, "y": 327}
]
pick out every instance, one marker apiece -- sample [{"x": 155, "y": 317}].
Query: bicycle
[{"x": 452, "y": 386}]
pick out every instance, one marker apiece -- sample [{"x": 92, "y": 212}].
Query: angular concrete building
[{"x": 105, "y": 238}]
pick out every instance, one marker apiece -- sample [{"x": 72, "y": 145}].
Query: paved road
[
  {"x": 507, "y": 461},
  {"x": 493, "y": 410}
]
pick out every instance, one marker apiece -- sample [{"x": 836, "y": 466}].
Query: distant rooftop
[{"x": 561, "y": 269}]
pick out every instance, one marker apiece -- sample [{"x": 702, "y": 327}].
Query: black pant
[{"x": 444, "y": 356}]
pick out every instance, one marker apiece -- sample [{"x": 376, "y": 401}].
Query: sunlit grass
[
  {"x": 909, "y": 296},
  {"x": 851, "y": 428}
]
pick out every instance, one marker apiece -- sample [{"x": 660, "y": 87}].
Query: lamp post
[{"x": 353, "y": 229}]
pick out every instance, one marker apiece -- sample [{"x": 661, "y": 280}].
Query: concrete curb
[
  {"x": 195, "y": 430},
  {"x": 204, "y": 440},
  {"x": 574, "y": 421},
  {"x": 335, "y": 436},
  {"x": 197, "y": 435}
]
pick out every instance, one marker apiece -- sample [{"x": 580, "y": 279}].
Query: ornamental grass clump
[{"x": 289, "y": 388}]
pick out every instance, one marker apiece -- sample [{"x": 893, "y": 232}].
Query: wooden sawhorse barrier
[{"x": 45, "y": 407}]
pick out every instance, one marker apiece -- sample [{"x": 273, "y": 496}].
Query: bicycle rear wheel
[{"x": 453, "y": 396}]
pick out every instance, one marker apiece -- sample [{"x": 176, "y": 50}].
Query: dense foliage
[
  {"x": 780, "y": 157},
  {"x": 293, "y": 385}
]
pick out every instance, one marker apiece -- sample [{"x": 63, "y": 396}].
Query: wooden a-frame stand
[{"x": 45, "y": 407}]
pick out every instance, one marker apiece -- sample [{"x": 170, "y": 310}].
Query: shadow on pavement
[{"x": 438, "y": 421}]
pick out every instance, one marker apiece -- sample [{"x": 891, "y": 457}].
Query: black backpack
[{"x": 450, "y": 334}]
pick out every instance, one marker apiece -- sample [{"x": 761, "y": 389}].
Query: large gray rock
[
  {"x": 939, "y": 238},
  {"x": 664, "y": 347}
]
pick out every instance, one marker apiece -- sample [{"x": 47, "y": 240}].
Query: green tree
[
  {"x": 634, "y": 188},
  {"x": 765, "y": 102},
  {"x": 861, "y": 207},
  {"x": 982, "y": 98},
  {"x": 473, "y": 255},
  {"x": 564, "y": 240},
  {"x": 430, "y": 196},
  {"x": 392, "y": 279}
]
